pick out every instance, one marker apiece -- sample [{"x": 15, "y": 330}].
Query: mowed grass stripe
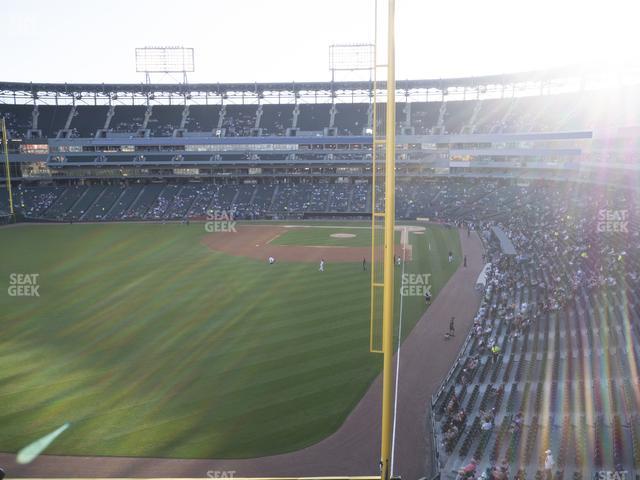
[
  {"x": 153, "y": 345},
  {"x": 290, "y": 394}
]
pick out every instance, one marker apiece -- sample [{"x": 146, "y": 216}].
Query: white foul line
[{"x": 395, "y": 401}]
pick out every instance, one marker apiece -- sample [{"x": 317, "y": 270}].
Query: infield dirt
[{"x": 254, "y": 241}]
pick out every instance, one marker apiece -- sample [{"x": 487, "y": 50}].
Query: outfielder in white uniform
[{"x": 322, "y": 265}]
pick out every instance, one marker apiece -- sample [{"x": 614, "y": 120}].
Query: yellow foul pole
[
  {"x": 389, "y": 268},
  {"x": 5, "y": 144}
]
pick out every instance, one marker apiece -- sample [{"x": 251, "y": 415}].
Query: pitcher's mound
[{"x": 342, "y": 235}]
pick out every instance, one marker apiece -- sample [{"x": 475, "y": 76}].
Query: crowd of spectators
[{"x": 574, "y": 243}]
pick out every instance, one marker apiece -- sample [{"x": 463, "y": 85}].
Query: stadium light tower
[
  {"x": 351, "y": 57},
  {"x": 164, "y": 60}
]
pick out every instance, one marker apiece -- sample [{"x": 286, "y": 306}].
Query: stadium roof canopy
[
  {"x": 489, "y": 86},
  {"x": 287, "y": 86}
]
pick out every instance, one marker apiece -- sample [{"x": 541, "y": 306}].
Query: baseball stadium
[{"x": 354, "y": 278}]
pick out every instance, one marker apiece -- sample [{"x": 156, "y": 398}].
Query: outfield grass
[
  {"x": 321, "y": 236},
  {"x": 153, "y": 345}
]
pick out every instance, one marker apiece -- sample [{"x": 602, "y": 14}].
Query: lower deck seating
[{"x": 565, "y": 321}]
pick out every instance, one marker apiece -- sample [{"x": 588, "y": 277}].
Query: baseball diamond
[{"x": 195, "y": 318}]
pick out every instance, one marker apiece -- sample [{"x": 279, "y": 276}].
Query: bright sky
[{"x": 287, "y": 40}]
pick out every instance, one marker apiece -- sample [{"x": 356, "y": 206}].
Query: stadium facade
[{"x": 551, "y": 125}]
